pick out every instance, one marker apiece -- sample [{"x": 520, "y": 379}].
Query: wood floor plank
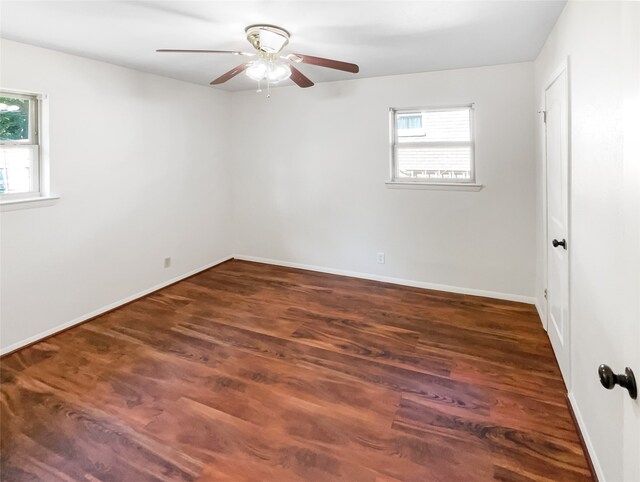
[
  {"x": 250, "y": 387},
  {"x": 89, "y": 443},
  {"x": 251, "y": 372},
  {"x": 491, "y": 373},
  {"x": 509, "y": 445},
  {"x": 218, "y": 437}
]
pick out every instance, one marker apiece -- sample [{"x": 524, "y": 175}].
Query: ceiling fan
[{"x": 267, "y": 64}]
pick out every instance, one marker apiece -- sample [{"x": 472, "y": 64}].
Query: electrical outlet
[
  {"x": 380, "y": 258},
  {"x": 167, "y": 262}
]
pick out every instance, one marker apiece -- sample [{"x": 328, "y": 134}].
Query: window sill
[
  {"x": 28, "y": 203},
  {"x": 451, "y": 186}
]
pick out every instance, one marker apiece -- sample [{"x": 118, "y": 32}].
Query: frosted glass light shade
[
  {"x": 257, "y": 70},
  {"x": 278, "y": 73},
  {"x": 273, "y": 72}
]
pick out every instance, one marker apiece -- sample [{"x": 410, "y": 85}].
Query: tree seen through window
[{"x": 14, "y": 119}]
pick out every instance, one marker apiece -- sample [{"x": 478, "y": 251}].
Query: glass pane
[
  {"x": 18, "y": 180},
  {"x": 14, "y": 119},
  {"x": 436, "y": 126},
  {"x": 412, "y": 121},
  {"x": 16, "y": 167},
  {"x": 409, "y": 125},
  {"x": 445, "y": 163}
]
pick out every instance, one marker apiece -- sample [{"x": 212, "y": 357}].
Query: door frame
[{"x": 562, "y": 67}]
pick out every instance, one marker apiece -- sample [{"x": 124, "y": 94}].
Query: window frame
[
  {"x": 394, "y": 179},
  {"x": 33, "y": 141}
]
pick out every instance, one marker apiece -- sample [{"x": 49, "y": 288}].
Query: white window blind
[{"x": 432, "y": 145}]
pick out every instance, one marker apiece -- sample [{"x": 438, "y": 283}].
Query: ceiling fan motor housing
[{"x": 267, "y": 38}]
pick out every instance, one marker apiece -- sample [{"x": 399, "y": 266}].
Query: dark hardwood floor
[{"x": 250, "y": 372}]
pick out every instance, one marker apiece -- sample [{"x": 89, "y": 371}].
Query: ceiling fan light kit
[
  {"x": 279, "y": 72},
  {"x": 270, "y": 66},
  {"x": 257, "y": 70}
]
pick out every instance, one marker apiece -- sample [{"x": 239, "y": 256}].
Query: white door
[
  {"x": 605, "y": 237},
  {"x": 630, "y": 319},
  {"x": 631, "y": 420},
  {"x": 558, "y": 243}
]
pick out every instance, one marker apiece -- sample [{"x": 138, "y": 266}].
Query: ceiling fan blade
[
  {"x": 205, "y": 51},
  {"x": 332, "y": 64},
  {"x": 299, "y": 78},
  {"x": 229, "y": 75}
]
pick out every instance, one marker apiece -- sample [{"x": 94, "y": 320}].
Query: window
[
  {"x": 19, "y": 146},
  {"x": 432, "y": 146}
]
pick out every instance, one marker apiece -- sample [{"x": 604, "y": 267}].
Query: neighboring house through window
[{"x": 432, "y": 145}]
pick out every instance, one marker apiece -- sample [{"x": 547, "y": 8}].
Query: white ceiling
[{"x": 383, "y": 37}]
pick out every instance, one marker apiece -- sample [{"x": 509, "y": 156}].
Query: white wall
[
  {"x": 142, "y": 165},
  {"x": 603, "y": 43},
  {"x": 310, "y": 171}
]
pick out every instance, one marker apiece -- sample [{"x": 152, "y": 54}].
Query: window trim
[
  {"x": 394, "y": 181},
  {"x": 39, "y": 188}
]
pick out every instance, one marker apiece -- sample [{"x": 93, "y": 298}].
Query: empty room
[{"x": 319, "y": 240}]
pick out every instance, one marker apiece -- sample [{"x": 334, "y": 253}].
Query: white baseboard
[
  {"x": 340, "y": 272},
  {"x": 104, "y": 309},
  {"x": 386, "y": 279},
  {"x": 540, "y": 314},
  {"x": 587, "y": 439}
]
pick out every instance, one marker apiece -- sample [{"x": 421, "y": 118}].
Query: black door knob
[
  {"x": 557, "y": 243},
  {"x": 610, "y": 380}
]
